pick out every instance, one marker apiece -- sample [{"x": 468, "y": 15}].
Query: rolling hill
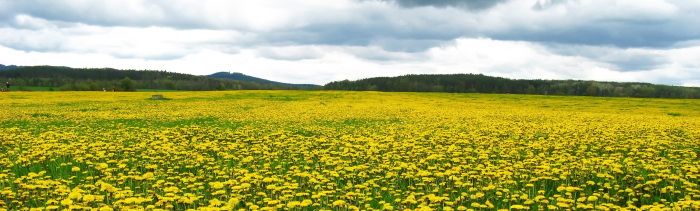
[
  {"x": 94, "y": 79},
  {"x": 3, "y": 67},
  {"x": 243, "y": 77}
]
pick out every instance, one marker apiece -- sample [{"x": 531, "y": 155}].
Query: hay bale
[{"x": 157, "y": 96}]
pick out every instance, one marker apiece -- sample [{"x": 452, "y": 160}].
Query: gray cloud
[
  {"x": 625, "y": 35},
  {"x": 542, "y": 5},
  {"x": 388, "y": 37},
  {"x": 637, "y": 62},
  {"x": 41, "y": 41},
  {"x": 34, "y": 47},
  {"x": 107, "y": 13},
  {"x": 423, "y": 27},
  {"x": 617, "y": 35},
  {"x": 290, "y": 54},
  {"x": 629, "y": 60},
  {"x": 469, "y": 4},
  {"x": 164, "y": 56},
  {"x": 409, "y": 45}
]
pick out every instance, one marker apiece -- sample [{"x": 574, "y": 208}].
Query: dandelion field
[{"x": 303, "y": 150}]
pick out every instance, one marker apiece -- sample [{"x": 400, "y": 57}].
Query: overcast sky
[{"x": 319, "y": 41}]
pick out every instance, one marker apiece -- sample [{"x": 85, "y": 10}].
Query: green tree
[
  {"x": 171, "y": 85},
  {"x": 531, "y": 90},
  {"x": 372, "y": 88},
  {"x": 592, "y": 90},
  {"x": 506, "y": 89},
  {"x": 127, "y": 85},
  {"x": 648, "y": 91},
  {"x": 21, "y": 83}
]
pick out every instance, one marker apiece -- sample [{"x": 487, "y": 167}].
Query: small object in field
[{"x": 157, "y": 96}]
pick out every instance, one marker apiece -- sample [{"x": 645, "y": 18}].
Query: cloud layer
[{"x": 318, "y": 41}]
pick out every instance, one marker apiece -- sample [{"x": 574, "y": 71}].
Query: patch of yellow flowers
[{"x": 298, "y": 150}]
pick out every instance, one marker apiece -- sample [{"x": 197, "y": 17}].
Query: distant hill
[
  {"x": 243, "y": 77},
  {"x": 86, "y": 79},
  {"x": 3, "y": 67},
  {"x": 478, "y": 83}
]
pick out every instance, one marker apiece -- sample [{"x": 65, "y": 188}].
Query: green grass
[
  {"x": 159, "y": 99},
  {"x": 156, "y": 90},
  {"x": 32, "y": 88},
  {"x": 46, "y": 88}
]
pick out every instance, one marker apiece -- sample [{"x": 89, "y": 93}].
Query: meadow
[
  {"x": 333, "y": 150},
  {"x": 47, "y": 89},
  {"x": 31, "y": 88}
]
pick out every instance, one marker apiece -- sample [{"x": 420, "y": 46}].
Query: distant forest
[
  {"x": 478, "y": 83},
  {"x": 94, "y": 79}
]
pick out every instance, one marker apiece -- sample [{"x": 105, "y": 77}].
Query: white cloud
[
  {"x": 513, "y": 59},
  {"x": 317, "y": 41}
]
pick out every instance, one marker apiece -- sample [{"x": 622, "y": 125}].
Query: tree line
[
  {"x": 95, "y": 79},
  {"x": 479, "y": 83}
]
